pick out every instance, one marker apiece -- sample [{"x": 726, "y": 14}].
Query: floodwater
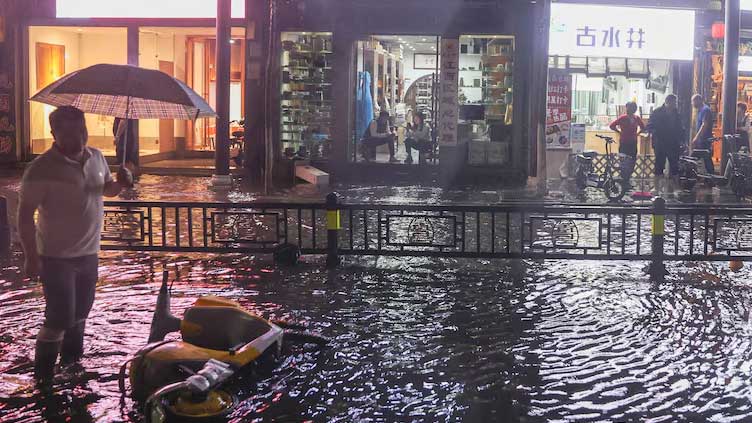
[
  {"x": 417, "y": 339},
  {"x": 425, "y": 340}
]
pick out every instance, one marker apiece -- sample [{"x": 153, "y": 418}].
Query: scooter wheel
[
  {"x": 615, "y": 190},
  {"x": 215, "y": 408}
]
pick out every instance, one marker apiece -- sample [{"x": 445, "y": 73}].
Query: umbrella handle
[{"x": 127, "y": 130}]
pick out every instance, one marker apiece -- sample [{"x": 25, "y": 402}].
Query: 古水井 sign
[{"x": 583, "y": 30}]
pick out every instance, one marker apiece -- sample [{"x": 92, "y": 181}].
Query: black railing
[
  {"x": 213, "y": 227},
  {"x": 555, "y": 231}
]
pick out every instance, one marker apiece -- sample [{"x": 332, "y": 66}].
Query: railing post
[
  {"x": 4, "y": 227},
  {"x": 657, "y": 269},
  {"x": 333, "y": 226}
]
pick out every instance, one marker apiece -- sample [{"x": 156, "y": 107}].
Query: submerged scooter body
[{"x": 217, "y": 336}]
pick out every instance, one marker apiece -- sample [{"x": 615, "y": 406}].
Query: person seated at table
[
  {"x": 418, "y": 138},
  {"x": 379, "y": 132}
]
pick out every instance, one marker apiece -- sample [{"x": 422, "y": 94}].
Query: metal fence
[{"x": 555, "y": 231}]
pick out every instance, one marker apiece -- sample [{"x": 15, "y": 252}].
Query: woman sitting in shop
[
  {"x": 418, "y": 138},
  {"x": 379, "y": 132}
]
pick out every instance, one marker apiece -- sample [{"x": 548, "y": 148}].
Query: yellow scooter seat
[{"x": 221, "y": 327}]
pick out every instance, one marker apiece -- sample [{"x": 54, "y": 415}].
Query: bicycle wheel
[{"x": 614, "y": 189}]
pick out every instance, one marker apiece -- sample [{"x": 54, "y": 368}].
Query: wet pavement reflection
[
  {"x": 417, "y": 339},
  {"x": 425, "y": 340}
]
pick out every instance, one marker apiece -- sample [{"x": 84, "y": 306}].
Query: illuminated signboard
[
  {"x": 746, "y": 4},
  {"x": 144, "y": 9},
  {"x": 607, "y": 31}
]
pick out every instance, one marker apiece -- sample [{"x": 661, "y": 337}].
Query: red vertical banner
[{"x": 559, "y": 110}]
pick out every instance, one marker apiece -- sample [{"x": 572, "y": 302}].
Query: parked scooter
[
  {"x": 739, "y": 173},
  {"x": 585, "y": 176},
  {"x": 693, "y": 168},
  {"x": 237, "y": 141}
]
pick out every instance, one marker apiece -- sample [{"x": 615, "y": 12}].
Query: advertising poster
[
  {"x": 558, "y": 110},
  {"x": 577, "y": 137}
]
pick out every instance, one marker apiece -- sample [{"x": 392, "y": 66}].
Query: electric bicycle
[{"x": 585, "y": 176}]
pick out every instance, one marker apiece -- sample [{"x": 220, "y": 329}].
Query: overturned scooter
[{"x": 182, "y": 380}]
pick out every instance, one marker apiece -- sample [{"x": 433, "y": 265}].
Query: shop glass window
[
  {"x": 397, "y": 74},
  {"x": 56, "y": 51},
  {"x": 189, "y": 54},
  {"x": 486, "y": 94},
  {"x": 306, "y": 95},
  {"x": 598, "y": 100}
]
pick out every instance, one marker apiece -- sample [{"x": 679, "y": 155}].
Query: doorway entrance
[{"x": 396, "y": 75}]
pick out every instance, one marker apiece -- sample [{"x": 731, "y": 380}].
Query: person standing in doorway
[
  {"x": 628, "y": 126},
  {"x": 125, "y": 142},
  {"x": 65, "y": 185},
  {"x": 668, "y": 136},
  {"x": 704, "y": 126}
]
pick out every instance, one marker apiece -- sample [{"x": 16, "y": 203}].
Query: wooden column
[
  {"x": 132, "y": 52},
  {"x": 222, "y": 66},
  {"x": 256, "y": 55},
  {"x": 730, "y": 73}
]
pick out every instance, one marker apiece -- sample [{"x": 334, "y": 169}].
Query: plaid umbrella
[{"x": 127, "y": 92}]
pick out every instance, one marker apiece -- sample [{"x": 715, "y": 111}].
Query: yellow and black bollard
[
  {"x": 333, "y": 226},
  {"x": 657, "y": 269}
]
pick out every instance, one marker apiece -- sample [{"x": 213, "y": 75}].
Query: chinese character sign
[
  {"x": 448, "y": 106},
  {"x": 558, "y": 110},
  {"x": 608, "y": 31}
]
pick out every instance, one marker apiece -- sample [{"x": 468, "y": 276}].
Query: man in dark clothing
[
  {"x": 702, "y": 139},
  {"x": 668, "y": 136}
]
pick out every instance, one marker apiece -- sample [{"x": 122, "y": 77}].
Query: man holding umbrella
[{"x": 65, "y": 185}]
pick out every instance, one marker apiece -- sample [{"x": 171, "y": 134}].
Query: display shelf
[{"x": 306, "y": 90}]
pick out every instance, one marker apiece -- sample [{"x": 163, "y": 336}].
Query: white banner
[
  {"x": 144, "y": 9},
  {"x": 582, "y": 30}
]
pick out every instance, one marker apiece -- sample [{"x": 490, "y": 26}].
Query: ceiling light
[{"x": 423, "y": 39}]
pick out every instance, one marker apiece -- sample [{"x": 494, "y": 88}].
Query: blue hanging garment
[{"x": 364, "y": 113}]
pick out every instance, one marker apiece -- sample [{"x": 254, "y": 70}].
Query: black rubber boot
[
  {"x": 45, "y": 357},
  {"x": 73, "y": 344}
]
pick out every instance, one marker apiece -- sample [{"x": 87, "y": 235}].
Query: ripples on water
[{"x": 428, "y": 340}]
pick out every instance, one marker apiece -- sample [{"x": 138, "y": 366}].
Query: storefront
[
  {"x": 456, "y": 64},
  {"x": 177, "y": 38},
  {"x": 339, "y": 64},
  {"x": 602, "y": 57}
]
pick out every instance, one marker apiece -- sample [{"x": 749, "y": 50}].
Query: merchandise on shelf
[{"x": 306, "y": 94}]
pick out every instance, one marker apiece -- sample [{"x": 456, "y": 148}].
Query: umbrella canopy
[{"x": 126, "y": 91}]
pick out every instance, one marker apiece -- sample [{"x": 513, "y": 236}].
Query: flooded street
[
  {"x": 416, "y": 339},
  {"x": 425, "y": 340}
]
